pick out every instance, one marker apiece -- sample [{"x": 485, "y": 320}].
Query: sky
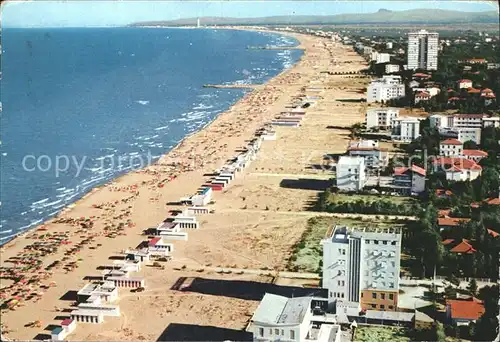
[{"x": 95, "y": 13}]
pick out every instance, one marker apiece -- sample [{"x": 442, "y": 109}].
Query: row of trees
[{"x": 328, "y": 203}]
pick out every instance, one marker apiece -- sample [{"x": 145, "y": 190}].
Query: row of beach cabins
[{"x": 94, "y": 299}]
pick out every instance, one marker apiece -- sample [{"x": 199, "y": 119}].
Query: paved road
[
  {"x": 291, "y": 175},
  {"x": 319, "y": 213}
]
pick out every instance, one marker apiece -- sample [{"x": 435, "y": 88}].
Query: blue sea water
[{"x": 104, "y": 97}]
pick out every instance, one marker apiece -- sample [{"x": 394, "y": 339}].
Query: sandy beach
[{"x": 256, "y": 219}]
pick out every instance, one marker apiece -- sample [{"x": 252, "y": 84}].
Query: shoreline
[{"x": 67, "y": 208}]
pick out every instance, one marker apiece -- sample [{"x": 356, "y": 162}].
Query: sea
[{"x": 81, "y": 106}]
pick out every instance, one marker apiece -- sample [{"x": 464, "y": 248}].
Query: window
[
  {"x": 276, "y": 331},
  {"x": 391, "y": 296},
  {"x": 342, "y": 294},
  {"x": 382, "y": 295},
  {"x": 343, "y": 252},
  {"x": 375, "y": 242},
  {"x": 393, "y": 243},
  {"x": 292, "y": 334},
  {"x": 374, "y": 306},
  {"x": 374, "y": 295},
  {"x": 261, "y": 332},
  {"x": 391, "y": 307},
  {"x": 384, "y": 242},
  {"x": 331, "y": 294},
  {"x": 282, "y": 332},
  {"x": 361, "y": 294},
  {"x": 382, "y": 306},
  {"x": 270, "y": 331},
  {"x": 367, "y": 242}
]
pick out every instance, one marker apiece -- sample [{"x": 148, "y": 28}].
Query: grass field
[
  {"x": 308, "y": 252},
  {"x": 380, "y": 334}
]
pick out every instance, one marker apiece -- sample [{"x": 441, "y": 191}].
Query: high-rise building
[
  {"x": 423, "y": 49},
  {"x": 362, "y": 266}
]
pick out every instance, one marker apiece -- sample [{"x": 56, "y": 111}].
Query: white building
[
  {"x": 381, "y": 117},
  {"x": 388, "y": 45},
  {"x": 279, "y": 318},
  {"x": 423, "y": 50},
  {"x": 391, "y": 68},
  {"x": 463, "y": 127},
  {"x": 382, "y": 58},
  {"x": 458, "y": 169},
  {"x": 375, "y": 157},
  {"x": 451, "y": 148},
  {"x": 105, "y": 292},
  {"x": 362, "y": 266},
  {"x": 351, "y": 174},
  {"x": 491, "y": 122},
  {"x": 410, "y": 180},
  {"x": 406, "y": 129},
  {"x": 464, "y": 84},
  {"x": 386, "y": 88}
]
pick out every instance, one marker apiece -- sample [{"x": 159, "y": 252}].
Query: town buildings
[
  {"x": 292, "y": 319},
  {"x": 463, "y": 312},
  {"x": 391, "y": 68},
  {"x": 386, "y": 88},
  {"x": 412, "y": 179},
  {"x": 458, "y": 169},
  {"x": 464, "y": 84},
  {"x": 451, "y": 148},
  {"x": 362, "y": 266},
  {"x": 405, "y": 129},
  {"x": 382, "y": 118},
  {"x": 351, "y": 175},
  {"x": 423, "y": 50},
  {"x": 375, "y": 156}
]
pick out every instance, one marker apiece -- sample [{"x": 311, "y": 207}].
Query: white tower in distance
[{"x": 198, "y": 23}]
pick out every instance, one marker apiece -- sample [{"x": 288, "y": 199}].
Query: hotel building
[
  {"x": 423, "y": 50},
  {"x": 362, "y": 266}
]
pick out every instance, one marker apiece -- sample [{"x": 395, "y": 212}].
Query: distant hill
[{"x": 383, "y": 16}]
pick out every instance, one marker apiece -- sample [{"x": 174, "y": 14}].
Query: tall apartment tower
[
  {"x": 362, "y": 266},
  {"x": 423, "y": 50}
]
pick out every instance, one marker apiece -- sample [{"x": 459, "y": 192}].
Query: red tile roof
[
  {"x": 493, "y": 201},
  {"x": 464, "y": 81},
  {"x": 419, "y": 74},
  {"x": 453, "y": 98},
  {"x": 154, "y": 241},
  {"x": 451, "y": 221},
  {"x": 492, "y": 233},
  {"x": 451, "y": 142},
  {"x": 441, "y": 192},
  {"x": 486, "y": 90},
  {"x": 444, "y": 212},
  {"x": 67, "y": 321},
  {"x": 463, "y": 247},
  {"x": 465, "y": 309},
  {"x": 457, "y": 164},
  {"x": 447, "y": 242},
  {"x": 399, "y": 171},
  {"x": 475, "y": 153},
  {"x": 470, "y": 116},
  {"x": 473, "y": 91},
  {"x": 422, "y": 94}
]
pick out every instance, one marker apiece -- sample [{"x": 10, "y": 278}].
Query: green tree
[{"x": 472, "y": 287}]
